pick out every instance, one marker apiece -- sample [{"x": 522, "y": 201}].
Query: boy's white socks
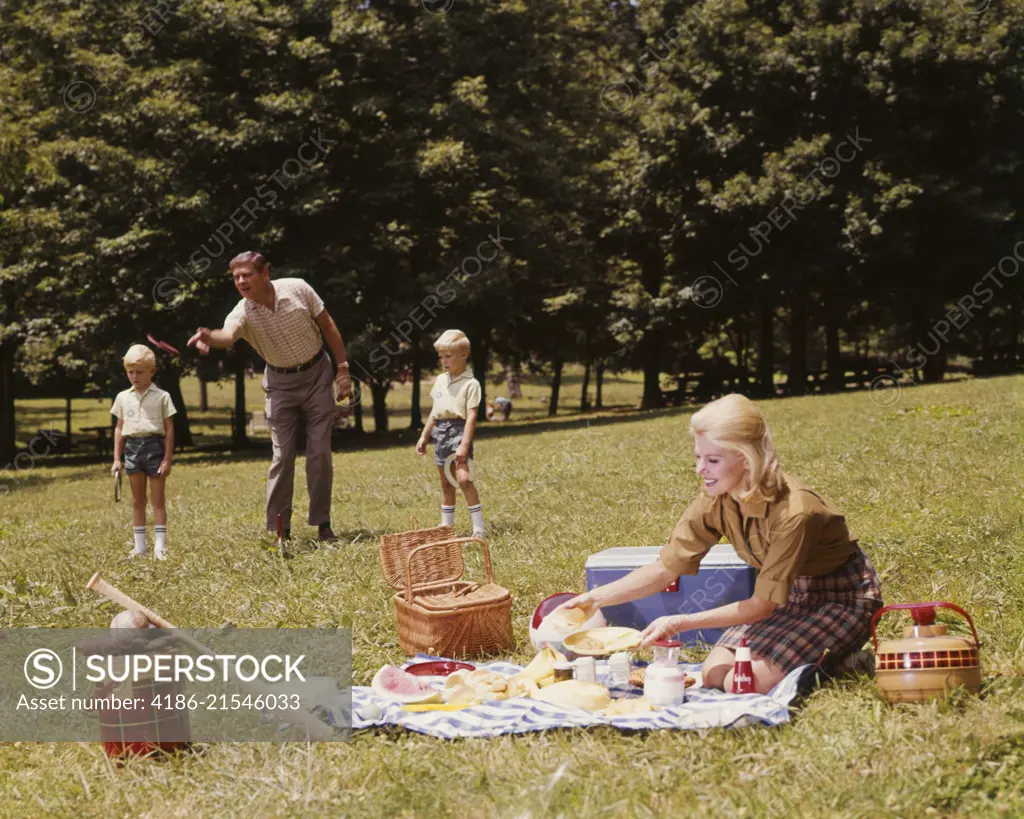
[
  {"x": 140, "y": 539},
  {"x": 160, "y": 550},
  {"x": 477, "y": 513},
  {"x": 447, "y": 515}
]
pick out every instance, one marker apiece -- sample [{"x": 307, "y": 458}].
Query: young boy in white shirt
[
  {"x": 145, "y": 436},
  {"x": 452, "y": 425}
]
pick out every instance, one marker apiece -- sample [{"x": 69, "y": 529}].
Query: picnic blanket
[{"x": 704, "y": 708}]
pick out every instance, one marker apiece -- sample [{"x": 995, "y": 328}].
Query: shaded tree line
[{"x": 743, "y": 194}]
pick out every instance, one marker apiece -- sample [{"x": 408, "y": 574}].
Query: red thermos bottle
[{"x": 742, "y": 672}]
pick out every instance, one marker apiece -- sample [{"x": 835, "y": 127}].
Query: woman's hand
[
  {"x": 165, "y": 468},
  {"x": 583, "y": 602},
  {"x": 663, "y": 628},
  {"x": 115, "y": 468},
  {"x": 421, "y": 446},
  {"x": 461, "y": 454}
]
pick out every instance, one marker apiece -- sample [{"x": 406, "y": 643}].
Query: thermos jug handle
[{"x": 924, "y": 614}]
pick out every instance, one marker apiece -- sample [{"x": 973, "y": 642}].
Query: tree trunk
[
  {"x": 480, "y": 353},
  {"x": 930, "y": 344},
  {"x": 556, "y": 386},
  {"x": 8, "y": 442},
  {"x": 584, "y": 398},
  {"x": 357, "y": 397},
  {"x": 599, "y": 385},
  {"x": 416, "y": 413},
  {"x": 834, "y": 363},
  {"x": 1014, "y": 328},
  {"x": 379, "y": 391},
  {"x": 651, "y": 274},
  {"x": 651, "y": 357},
  {"x": 766, "y": 349},
  {"x": 239, "y": 434},
  {"x": 935, "y": 367},
  {"x": 796, "y": 380},
  {"x": 986, "y": 367},
  {"x": 171, "y": 381},
  {"x": 67, "y": 422},
  {"x": 204, "y": 401},
  {"x": 512, "y": 380}
]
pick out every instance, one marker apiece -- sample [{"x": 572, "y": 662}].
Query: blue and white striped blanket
[{"x": 704, "y": 708}]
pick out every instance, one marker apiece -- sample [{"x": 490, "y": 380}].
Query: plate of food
[
  {"x": 598, "y": 642},
  {"x": 437, "y": 668},
  {"x": 637, "y": 675}
]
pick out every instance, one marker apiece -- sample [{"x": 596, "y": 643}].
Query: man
[{"x": 283, "y": 321}]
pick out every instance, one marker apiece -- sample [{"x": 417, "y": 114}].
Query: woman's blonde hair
[
  {"x": 733, "y": 422},
  {"x": 140, "y": 354},
  {"x": 453, "y": 340}
]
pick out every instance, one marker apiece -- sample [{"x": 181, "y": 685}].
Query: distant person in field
[
  {"x": 504, "y": 406},
  {"x": 283, "y": 320},
  {"x": 452, "y": 425},
  {"x": 816, "y": 591},
  {"x": 144, "y": 436}
]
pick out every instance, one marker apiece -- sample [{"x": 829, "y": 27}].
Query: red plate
[{"x": 438, "y": 668}]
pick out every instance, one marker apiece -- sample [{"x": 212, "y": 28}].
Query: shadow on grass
[
  {"x": 300, "y": 546},
  {"x": 349, "y": 441},
  {"x": 30, "y": 478}
]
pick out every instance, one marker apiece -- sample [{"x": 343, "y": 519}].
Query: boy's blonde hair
[
  {"x": 733, "y": 422},
  {"x": 453, "y": 340},
  {"x": 140, "y": 354}
]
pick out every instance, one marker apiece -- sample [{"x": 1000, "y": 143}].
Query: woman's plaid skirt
[{"x": 830, "y": 613}]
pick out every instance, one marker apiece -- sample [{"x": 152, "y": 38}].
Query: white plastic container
[
  {"x": 619, "y": 667},
  {"x": 586, "y": 669},
  {"x": 664, "y": 685}
]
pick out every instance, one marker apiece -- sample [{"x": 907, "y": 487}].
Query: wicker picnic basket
[
  {"x": 436, "y": 566},
  {"x": 438, "y": 612}
]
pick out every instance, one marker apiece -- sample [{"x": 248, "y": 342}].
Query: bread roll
[{"x": 565, "y": 620}]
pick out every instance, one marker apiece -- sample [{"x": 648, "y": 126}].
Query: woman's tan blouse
[{"x": 799, "y": 533}]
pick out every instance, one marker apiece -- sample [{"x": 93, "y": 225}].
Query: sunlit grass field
[{"x": 931, "y": 485}]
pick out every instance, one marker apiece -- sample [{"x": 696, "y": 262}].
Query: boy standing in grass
[
  {"x": 452, "y": 425},
  {"x": 145, "y": 436}
]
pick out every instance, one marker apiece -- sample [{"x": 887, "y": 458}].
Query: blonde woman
[{"x": 816, "y": 591}]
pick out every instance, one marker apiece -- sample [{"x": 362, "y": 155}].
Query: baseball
[{"x": 129, "y": 619}]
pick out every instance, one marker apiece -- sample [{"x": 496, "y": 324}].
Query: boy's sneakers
[
  {"x": 480, "y": 533},
  {"x": 160, "y": 553},
  {"x": 136, "y": 553}
]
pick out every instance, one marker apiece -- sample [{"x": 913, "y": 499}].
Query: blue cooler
[{"x": 722, "y": 578}]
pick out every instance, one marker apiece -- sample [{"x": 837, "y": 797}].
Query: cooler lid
[{"x": 629, "y": 557}]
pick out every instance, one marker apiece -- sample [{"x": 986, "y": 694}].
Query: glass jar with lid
[
  {"x": 665, "y": 680},
  {"x": 666, "y": 652}
]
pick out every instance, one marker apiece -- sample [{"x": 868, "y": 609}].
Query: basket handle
[
  {"x": 924, "y": 615},
  {"x": 407, "y": 562}
]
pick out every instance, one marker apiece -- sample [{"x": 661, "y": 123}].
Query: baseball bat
[{"x": 316, "y": 728}]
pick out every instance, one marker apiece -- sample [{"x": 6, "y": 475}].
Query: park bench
[
  {"x": 102, "y": 440},
  {"x": 257, "y": 421}
]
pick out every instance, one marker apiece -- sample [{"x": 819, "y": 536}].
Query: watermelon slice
[{"x": 394, "y": 684}]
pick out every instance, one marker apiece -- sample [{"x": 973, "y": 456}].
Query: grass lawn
[{"x": 930, "y": 485}]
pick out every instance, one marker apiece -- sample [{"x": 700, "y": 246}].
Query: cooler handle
[{"x": 927, "y": 614}]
